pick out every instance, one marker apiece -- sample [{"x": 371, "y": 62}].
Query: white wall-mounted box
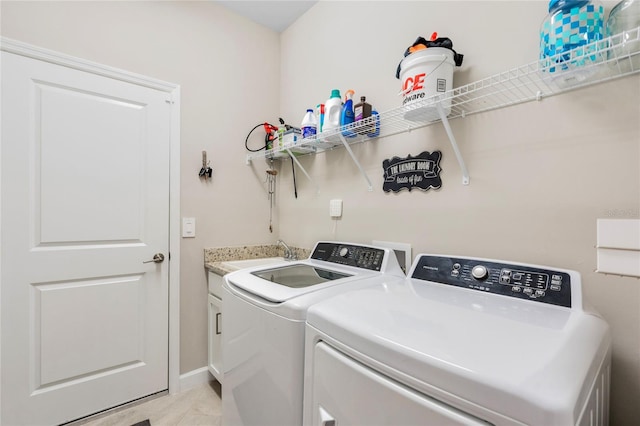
[{"x": 618, "y": 246}]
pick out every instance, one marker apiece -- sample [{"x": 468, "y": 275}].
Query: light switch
[
  {"x": 335, "y": 208},
  {"x": 188, "y": 227}
]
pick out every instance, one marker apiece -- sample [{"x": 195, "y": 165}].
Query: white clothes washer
[
  {"x": 461, "y": 341},
  {"x": 265, "y": 310}
]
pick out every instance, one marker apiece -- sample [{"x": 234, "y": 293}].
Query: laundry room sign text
[{"x": 422, "y": 171}]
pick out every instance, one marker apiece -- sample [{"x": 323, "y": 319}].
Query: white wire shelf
[{"x": 611, "y": 58}]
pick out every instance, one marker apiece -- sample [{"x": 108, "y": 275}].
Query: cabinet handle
[{"x": 218, "y": 317}]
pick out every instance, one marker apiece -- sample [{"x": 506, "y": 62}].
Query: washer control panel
[
  {"x": 350, "y": 255},
  {"x": 514, "y": 280}
]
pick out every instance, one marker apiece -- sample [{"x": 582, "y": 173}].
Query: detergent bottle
[
  {"x": 347, "y": 116},
  {"x": 376, "y": 126},
  {"x": 332, "y": 109}
]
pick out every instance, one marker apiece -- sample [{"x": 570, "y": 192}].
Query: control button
[
  {"x": 506, "y": 272},
  {"x": 456, "y": 266},
  {"x": 539, "y": 293},
  {"x": 344, "y": 252},
  {"x": 455, "y": 273},
  {"x": 556, "y": 277},
  {"x": 555, "y": 287},
  {"x": 479, "y": 272},
  {"x": 528, "y": 291},
  {"x": 556, "y": 282},
  {"x": 505, "y": 280},
  {"x": 516, "y": 289},
  {"x": 517, "y": 276}
]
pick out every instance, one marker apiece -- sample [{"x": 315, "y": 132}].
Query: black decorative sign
[{"x": 421, "y": 172}]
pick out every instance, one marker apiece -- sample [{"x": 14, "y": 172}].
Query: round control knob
[
  {"x": 479, "y": 272},
  {"x": 344, "y": 252}
]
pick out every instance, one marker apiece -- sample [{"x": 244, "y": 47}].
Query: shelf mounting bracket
[
  {"x": 355, "y": 160},
  {"x": 295, "y": 160},
  {"x": 454, "y": 144}
]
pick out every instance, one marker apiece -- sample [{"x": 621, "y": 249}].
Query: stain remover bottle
[{"x": 347, "y": 116}]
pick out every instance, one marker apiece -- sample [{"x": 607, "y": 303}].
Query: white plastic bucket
[{"x": 425, "y": 74}]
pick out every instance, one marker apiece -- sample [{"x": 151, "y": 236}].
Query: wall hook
[{"x": 205, "y": 171}]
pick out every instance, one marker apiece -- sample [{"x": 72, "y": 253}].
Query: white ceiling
[{"x": 277, "y": 15}]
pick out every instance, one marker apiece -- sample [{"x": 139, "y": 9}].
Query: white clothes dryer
[
  {"x": 462, "y": 341},
  {"x": 264, "y": 324}
]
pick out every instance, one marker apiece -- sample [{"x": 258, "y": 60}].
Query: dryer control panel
[
  {"x": 350, "y": 255},
  {"x": 514, "y": 280}
]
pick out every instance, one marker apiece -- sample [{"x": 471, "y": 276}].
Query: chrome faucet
[{"x": 288, "y": 253}]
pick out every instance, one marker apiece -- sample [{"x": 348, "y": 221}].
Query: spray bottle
[{"x": 347, "y": 116}]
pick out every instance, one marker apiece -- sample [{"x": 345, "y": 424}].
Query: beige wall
[
  {"x": 541, "y": 173},
  {"x": 228, "y": 69}
]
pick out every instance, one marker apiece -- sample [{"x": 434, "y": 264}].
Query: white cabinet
[{"x": 215, "y": 326}]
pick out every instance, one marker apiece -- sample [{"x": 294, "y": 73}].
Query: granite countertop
[{"x": 214, "y": 257}]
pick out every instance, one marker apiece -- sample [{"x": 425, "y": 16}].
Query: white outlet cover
[{"x": 402, "y": 250}]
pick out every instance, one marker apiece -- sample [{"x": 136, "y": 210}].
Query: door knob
[{"x": 157, "y": 258}]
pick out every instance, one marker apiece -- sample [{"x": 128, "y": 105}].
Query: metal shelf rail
[{"x": 611, "y": 58}]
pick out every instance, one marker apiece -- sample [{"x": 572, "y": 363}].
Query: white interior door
[{"x": 85, "y": 201}]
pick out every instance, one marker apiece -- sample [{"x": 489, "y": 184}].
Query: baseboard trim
[{"x": 194, "y": 378}]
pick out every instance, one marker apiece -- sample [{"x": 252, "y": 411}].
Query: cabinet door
[
  {"x": 215, "y": 337},
  {"x": 215, "y": 284}
]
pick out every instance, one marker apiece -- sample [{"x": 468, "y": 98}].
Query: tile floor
[{"x": 198, "y": 406}]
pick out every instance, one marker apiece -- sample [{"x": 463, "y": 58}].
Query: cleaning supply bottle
[
  {"x": 363, "y": 111},
  {"x": 375, "y": 127},
  {"x": 332, "y": 109},
  {"x": 320, "y": 116},
  {"x": 309, "y": 124},
  {"x": 347, "y": 116}
]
